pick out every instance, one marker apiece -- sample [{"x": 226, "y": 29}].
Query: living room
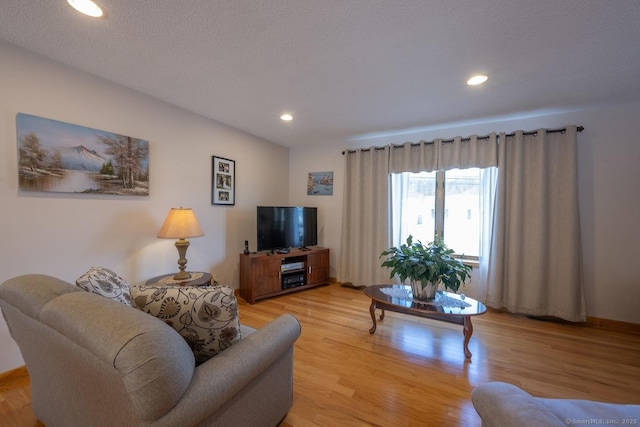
[{"x": 63, "y": 234}]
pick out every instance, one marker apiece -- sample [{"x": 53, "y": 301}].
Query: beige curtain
[
  {"x": 420, "y": 157},
  {"x": 367, "y": 208},
  {"x": 531, "y": 259},
  {"x": 365, "y": 219},
  {"x": 472, "y": 152},
  {"x": 535, "y": 255},
  {"x": 459, "y": 153}
]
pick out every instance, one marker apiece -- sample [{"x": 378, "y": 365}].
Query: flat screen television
[{"x": 284, "y": 227}]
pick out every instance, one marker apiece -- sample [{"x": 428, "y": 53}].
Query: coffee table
[{"x": 400, "y": 301}]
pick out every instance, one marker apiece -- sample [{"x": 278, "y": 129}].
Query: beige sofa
[
  {"x": 504, "y": 405},
  {"x": 96, "y": 362}
]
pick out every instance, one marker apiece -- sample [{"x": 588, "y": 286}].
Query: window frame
[
  {"x": 441, "y": 198},
  {"x": 440, "y": 210}
]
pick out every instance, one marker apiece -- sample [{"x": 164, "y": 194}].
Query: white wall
[
  {"x": 609, "y": 174},
  {"x": 320, "y": 159},
  {"x": 65, "y": 234}
]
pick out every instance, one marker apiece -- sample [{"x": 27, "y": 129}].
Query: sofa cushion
[
  {"x": 503, "y": 404},
  {"x": 205, "y": 316},
  {"x": 102, "y": 281},
  {"x": 578, "y": 411},
  {"x": 41, "y": 290}
]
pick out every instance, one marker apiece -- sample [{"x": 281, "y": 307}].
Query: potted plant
[{"x": 426, "y": 266}]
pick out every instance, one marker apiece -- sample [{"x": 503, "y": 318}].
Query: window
[{"x": 448, "y": 203}]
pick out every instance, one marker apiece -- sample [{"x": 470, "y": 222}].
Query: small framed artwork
[
  {"x": 320, "y": 184},
  {"x": 223, "y": 181}
]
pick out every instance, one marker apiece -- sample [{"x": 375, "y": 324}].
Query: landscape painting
[
  {"x": 65, "y": 158},
  {"x": 320, "y": 184}
]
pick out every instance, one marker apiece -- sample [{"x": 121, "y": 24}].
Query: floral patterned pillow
[
  {"x": 102, "y": 281},
  {"x": 205, "y": 316}
]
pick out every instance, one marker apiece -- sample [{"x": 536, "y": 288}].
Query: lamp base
[
  {"x": 183, "y": 275},
  {"x": 182, "y": 246}
]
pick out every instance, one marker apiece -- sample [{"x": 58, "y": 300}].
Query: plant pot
[{"x": 423, "y": 293}]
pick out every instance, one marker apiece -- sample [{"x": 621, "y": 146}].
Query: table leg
[
  {"x": 468, "y": 331},
  {"x": 372, "y": 311}
]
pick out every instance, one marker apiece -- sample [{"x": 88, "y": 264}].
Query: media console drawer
[{"x": 264, "y": 275}]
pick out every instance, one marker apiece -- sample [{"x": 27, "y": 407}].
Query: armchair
[{"x": 96, "y": 362}]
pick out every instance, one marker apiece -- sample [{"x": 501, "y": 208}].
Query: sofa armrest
[
  {"x": 218, "y": 379},
  {"x": 501, "y": 405}
]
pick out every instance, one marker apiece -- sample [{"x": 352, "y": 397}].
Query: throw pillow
[
  {"x": 102, "y": 281},
  {"x": 205, "y": 316}
]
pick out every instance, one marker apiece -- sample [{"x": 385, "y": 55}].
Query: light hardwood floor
[{"x": 412, "y": 371}]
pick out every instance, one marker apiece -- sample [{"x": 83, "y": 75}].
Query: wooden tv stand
[{"x": 264, "y": 275}]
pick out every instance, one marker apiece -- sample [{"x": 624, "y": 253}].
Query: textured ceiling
[{"x": 346, "y": 68}]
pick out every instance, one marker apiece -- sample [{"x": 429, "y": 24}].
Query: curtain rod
[{"x": 446, "y": 141}]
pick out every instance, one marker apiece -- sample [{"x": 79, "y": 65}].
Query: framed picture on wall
[
  {"x": 223, "y": 181},
  {"x": 320, "y": 184},
  {"x": 61, "y": 157}
]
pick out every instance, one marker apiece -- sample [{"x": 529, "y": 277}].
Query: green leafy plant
[{"x": 430, "y": 263}]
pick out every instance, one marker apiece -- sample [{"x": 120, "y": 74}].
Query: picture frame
[
  {"x": 223, "y": 181},
  {"x": 61, "y": 157},
  {"x": 320, "y": 184}
]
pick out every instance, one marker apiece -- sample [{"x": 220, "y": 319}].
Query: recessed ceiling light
[
  {"x": 87, "y": 7},
  {"x": 476, "y": 80},
  {"x": 286, "y": 117}
]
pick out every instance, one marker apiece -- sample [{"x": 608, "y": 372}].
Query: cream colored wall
[
  {"x": 65, "y": 234},
  {"x": 608, "y": 159},
  {"x": 320, "y": 159}
]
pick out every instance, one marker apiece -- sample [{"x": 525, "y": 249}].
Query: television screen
[{"x": 283, "y": 227}]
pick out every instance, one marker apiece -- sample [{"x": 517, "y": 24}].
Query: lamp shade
[{"x": 180, "y": 224}]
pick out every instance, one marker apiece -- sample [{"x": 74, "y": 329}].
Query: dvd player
[{"x": 292, "y": 266}]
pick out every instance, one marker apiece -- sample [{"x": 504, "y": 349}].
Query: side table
[{"x": 198, "y": 278}]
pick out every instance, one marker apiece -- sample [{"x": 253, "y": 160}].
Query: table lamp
[{"x": 180, "y": 224}]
